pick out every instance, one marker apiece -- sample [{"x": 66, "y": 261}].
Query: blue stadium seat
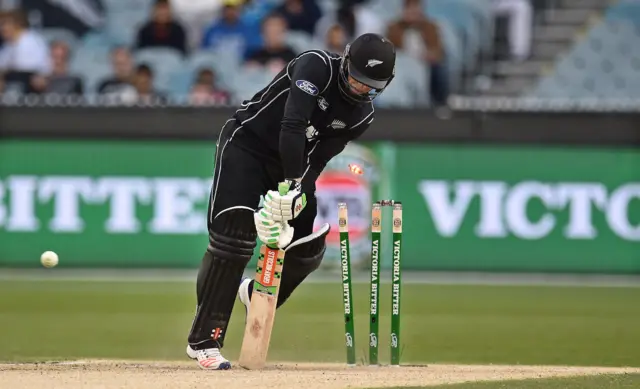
[
  {"x": 92, "y": 73},
  {"x": 482, "y": 11},
  {"x": 460, "y": 16},
  {"x": 179, "y": 84},
  {"x": 225, "y": 66},
  {"x": 163, "y": 62},
  {"x": 624, "y": 10},
  {"x": 410, "y": 86},
  {"x": 454, "y": 52},
  {"x": 122, "y": 26},
  {"x": 97, "y": 41},
  {"x": 59, "y": 34},
  {"x": 128, "y": 5},
  {"x": 606, "y": 63},
  {"x": 300, "y": 41},
  {"x": 466, "y": 28},
  {"x": 248, "y": 82}
]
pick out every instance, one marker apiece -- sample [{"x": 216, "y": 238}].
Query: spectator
[
  {"x": 520, "y": 15},
  {"x": 205, "y": 91},
  {"x": 275, "y": 53},
  {"x": 254, "y": 11},
  {"x": 162, "y": 30},
  {"x": 121, "y": 82},
  {"x": 354, "y": 16},
  {"x": 230, "y": 33},
  {"x": 415, "y": 34},
  {"x": 143, "y": 83},
  {"x": 301, "y": 15},
  {"x": 24, "y": 55},
  {"x": 60, "y": 81},
  {"x": 336, "y": 39}
]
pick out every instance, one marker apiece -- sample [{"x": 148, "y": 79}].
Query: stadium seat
[
  {"x": 624, "y": 10},
  {"x": 160, "y": 58},
  {"x": 606, "y": 63},
  {"x": 179, "y": 84},
  {"x": 248, "y": 82},
  {"x": 128, "y": 5},
  {"x": 466, "y": 28},
  {"x": 410, "y": 86},
  {"x": 225, "y": 66},
  {"x": 96, "y": 41},
  {"x": 299, "y": 41},
  {"x": 163, "y": 62},
  {"x": 59, "y": 34},
  {"x": 460, "y": 16},
  {"x": 454, "y": 52},
  {"x": 122, "y": 26}
]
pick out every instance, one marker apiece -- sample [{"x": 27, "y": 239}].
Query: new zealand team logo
[{"x": 307, "y": 87}]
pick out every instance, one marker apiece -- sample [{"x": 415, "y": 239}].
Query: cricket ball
[{"x": 49, "y": 259}]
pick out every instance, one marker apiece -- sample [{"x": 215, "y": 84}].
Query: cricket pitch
[{"x": 103, "y": 374}]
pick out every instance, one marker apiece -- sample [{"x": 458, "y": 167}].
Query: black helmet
[{"x": 370, "y": 60}]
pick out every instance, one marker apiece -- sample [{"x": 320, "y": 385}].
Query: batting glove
[
  {"x": 285, "y": 207},
  {"x": 271, "y": 232}
]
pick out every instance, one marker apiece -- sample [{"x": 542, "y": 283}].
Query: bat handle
[{"x": 283, "y": 188}]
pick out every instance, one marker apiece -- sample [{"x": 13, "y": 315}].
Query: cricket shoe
[
  {"x": 211, "y": 359},
  {"x": 243, "y": 295}
]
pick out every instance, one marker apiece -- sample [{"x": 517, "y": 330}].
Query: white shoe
[
  {"x": 211, "y": 359},
  {"x": 243, "y": 295},
  {"x": 191, "y": 353}
]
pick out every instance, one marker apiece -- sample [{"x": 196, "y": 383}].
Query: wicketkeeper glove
[{"x": 287, "y": 206}]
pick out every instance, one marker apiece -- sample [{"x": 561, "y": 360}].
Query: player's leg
[
  {"x": 235, "y": 194},
  {"x": 303, "y": 256}
]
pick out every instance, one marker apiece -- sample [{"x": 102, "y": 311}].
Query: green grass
[
  {"x": 462, "y": 324},
  {"x": 612, "y": 381}
]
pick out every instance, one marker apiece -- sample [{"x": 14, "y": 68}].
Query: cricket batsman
[{"x": 287, "y": 132}]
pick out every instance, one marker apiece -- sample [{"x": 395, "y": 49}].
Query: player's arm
[
  {"x": 328, "y": 148},
  {"x": 309, "y": 77}
]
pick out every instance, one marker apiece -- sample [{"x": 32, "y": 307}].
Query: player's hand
[
  {"x": 287, "y": 206},
  {"x": 271, "y": 232}
]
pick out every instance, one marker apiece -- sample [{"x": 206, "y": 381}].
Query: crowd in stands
[{"x": 107, "y": 45}]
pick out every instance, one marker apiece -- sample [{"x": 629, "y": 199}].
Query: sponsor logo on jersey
[
  {"x": 307, "y": 87},
  {"x": 322, "y": 103}
]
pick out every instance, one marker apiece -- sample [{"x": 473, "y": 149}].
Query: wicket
[{"x": 374, "y": 295}]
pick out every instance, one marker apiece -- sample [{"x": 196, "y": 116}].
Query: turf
[
  {"x": 613, "y": 381},
  {"x": 457, "y": 324}
]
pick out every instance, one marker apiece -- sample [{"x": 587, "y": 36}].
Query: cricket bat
[{"x": 262, "y": 310}]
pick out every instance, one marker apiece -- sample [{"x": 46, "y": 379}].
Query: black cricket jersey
[{"x": 301, "y": 119}]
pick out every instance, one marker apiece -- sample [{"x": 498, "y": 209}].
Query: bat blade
[{"x": 262, "y": 310}]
